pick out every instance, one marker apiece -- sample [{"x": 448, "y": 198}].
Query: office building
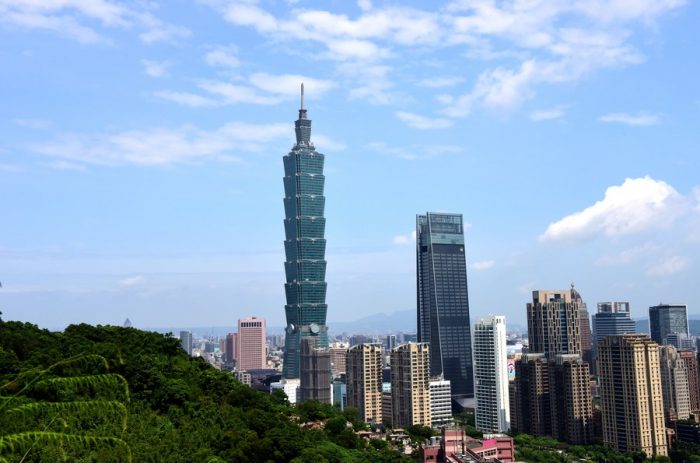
[
  {"x": 491, "y": 375},
  {"x": 186, "y": 341},
  {"x": 443, "y": 301},
  {"x": 251, "y": 344},
  {"x": 364, "y": 381},
  {"x": 230, "y": 346},
  {"x": 681, "y": 341},
  {"x": 631, "y": 394},
  {"x": 612, "y": 318},
  {"x": 340, "y": 397},
  {"x": 304, "y": 245},
  {"x": 440, "y": 403},
  {"x": 691, "y": 365},
  {"x": 553, "y": 322},
  {"x": 315, "y": 371},
  {"x": 674, "y": 384},
  {"x": 666, "y": 319},
  {"x": 410, "y": 385},
  {"x": 570, "y": 399}
]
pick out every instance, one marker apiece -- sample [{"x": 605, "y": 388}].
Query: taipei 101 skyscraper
[{"x": 304, "y": 246}]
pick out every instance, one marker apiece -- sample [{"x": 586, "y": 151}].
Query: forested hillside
[{"x": 105, "y": 393}]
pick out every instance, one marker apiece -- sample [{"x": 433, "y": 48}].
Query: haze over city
[{"x": 141, "y": 171}]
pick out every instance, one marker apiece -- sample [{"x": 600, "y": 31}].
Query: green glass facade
[{"x": 305, "y": 246}]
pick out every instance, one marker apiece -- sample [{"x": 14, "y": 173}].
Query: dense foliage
[
  {"x": 542, "y": 449},
  {"x": 105, "y": 393}
]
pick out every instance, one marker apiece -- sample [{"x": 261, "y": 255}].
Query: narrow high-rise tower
[
  {"x": 443, "y": 301},
  {"x": 305, "y": 245},
  {"x": 491, "y": 375}
]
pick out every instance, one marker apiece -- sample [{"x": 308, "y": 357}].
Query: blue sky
[{"x": 141, "y": 150}]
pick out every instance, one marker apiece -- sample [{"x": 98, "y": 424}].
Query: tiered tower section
[{"x": 305, "y": 245}]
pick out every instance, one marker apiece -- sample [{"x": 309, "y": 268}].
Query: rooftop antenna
[{"x": 302, "y": 95}]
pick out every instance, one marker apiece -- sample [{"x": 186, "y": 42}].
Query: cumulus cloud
[
  {"x": 627, "y": 256},
  {"x": 420, "y": 122},
  {"x": 38, "y": 124},
  {"x": 162, "y": 146},
  {"x": 441, "y": 82},
  {"x": 483, "y": 265},
  {"x": 639, "y": 204},
  {"x": 635, "y": 120}
]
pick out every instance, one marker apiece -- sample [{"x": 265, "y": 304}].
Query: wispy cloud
[
  {"x": 155, "y": 68},
  {"x": 223, "y": 56},
  {"x": 259, "y": 89},
  {"x": 136, "y": 280},
  {"x": 420, "y": 122},
  {"x": 403, "y": 240},
  {"x": 162, "y": 146},
  {"x": 441, "y": 82},
  {"x": 38, "y": 124},
  {"x": 635, "y": 120},
  {"x": 638, "y": 205},
  {"x": 668, "y": 266},
  {"x": 483, "y": 265},
  {"x": 547, "y": 114},
  {"x": 70, "y": 18},
  {"x": 414, "y": 152}
]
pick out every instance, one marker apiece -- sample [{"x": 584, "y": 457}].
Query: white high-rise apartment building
[
  {"x": 491, "y": 375},
  {"x": 440, "y": 402}
]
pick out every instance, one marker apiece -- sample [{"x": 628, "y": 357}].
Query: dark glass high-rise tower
[
  {"x": 304, "y": 246},
  {"x": 443, "y": 301}
]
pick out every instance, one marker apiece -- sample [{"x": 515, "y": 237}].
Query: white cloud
[
  {"x": 483, "y": 265},
  {"x": 441, "y": 82},
  {"x": 325, "y": 143},
  {"x": 414, "y": 152},
  {"x": 554, "y": 42},
  {"x": 223, "y": 56},
  {"x": 634, "y": 120},
  {"x": 38, "y": 124},
  {"x": 187, "y": 99},
  {"x": 547, "y": 114},
  {"x": 403, "y": 240},
  {"x": 420, "y": 122},
  {"x": 10, "y": 168},
  {"x": 627, "y": 256},
  {"x": 290, "y": 84},
  {"x": 155, "y": 68},
  {"x": 637, "y": 205},
  {"x": 233, "y": 93},
  {"x": 162, "y": 146},
  {"x": 68, "y": 18},
  {"x": 64, "y": 165},
  {"x": 137, "y": 280},
  {"x": 668, "y": 266}
]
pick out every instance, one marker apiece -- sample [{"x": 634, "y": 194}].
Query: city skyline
[{"x": 141, "y": 170}]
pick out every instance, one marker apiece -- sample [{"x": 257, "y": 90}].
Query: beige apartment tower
[
  {"x": 410, "y": 385},
  {"x": 631, "y": 394},
  {"x": 674, "y": 384},
  {"x": 250, "y": 350},
  {"x": 364, "y": 381},
  {"x": 553, "y": 322}
]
